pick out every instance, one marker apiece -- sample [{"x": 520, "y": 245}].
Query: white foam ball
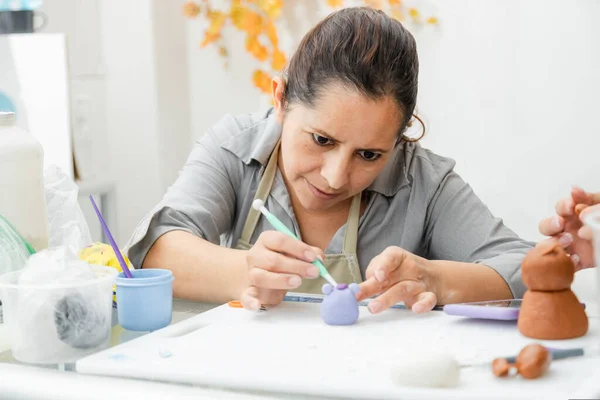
[{"x": 427, "y": 369}]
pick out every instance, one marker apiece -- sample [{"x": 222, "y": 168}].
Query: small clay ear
[
  {"x": 327, "y": 289},
  {"x": 354, "y": 288}
]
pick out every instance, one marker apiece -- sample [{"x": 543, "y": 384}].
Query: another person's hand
[
  {"x": 399, "y": 276},
  {"x": 567, "y": 226},
  {"x": 277, "y": 263},
  {"x": 585, "y": 232}
]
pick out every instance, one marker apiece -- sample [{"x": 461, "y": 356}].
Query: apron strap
[
  {"x": 351, "y": 236},
  {"x": 262, "y": 192}
]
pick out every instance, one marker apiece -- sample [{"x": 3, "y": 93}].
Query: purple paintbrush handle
[{"x": 111, "y": 240}]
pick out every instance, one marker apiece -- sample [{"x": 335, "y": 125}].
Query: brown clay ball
[
  {"x": 533, "y": 361},
  {"x": 500, "y": 367},
  {"x": 547, "y": 267}
]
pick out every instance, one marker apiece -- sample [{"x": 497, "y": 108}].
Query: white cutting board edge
[{"x": 229, "y": 326}]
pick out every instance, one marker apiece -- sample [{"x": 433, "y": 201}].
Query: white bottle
[{"x": 22, "y": 200}]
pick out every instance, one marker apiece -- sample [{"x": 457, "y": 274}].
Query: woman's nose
[{"x": 336, "y": 171}]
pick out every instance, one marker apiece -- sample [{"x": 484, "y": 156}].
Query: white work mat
[{"x": 289, "y": 349}]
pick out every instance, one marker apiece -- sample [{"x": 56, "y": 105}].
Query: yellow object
[
  {"x": 103, "y": 254},
  {"x": 256, "y": 18}
]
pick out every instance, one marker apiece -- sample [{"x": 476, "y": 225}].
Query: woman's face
[{"x": 335, "y": 150}]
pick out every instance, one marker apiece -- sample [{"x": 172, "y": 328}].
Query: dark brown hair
[{"x": 361, "y": 48}]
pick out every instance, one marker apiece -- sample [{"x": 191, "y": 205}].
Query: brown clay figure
[
  {"x": 550, "y": 310},
  {"x": 531, "y": 363}
]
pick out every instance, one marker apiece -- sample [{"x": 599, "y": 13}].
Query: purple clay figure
[{"x": 339, "y": 306}]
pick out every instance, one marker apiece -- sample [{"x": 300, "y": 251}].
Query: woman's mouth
[{"x": 321, "y": 194}]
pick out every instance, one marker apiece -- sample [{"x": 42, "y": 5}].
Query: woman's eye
[
  {"x": 321, "y": 140},
  {"x": 369, "y": 155}
]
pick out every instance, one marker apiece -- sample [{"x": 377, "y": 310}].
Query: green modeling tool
[{"x": 259, "y": 205}]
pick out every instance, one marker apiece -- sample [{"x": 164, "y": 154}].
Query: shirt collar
[
  {"x": 257, "y": 141},
  {"x": 394, "y": 175}
]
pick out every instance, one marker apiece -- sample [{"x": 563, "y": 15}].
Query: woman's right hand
[{"x": 277, "y": 263}]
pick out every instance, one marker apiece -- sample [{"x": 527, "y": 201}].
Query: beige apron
[{"x": 343, "y": 267}]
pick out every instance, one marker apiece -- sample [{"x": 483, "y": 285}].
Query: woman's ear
[{"x": 277, "y": 91}]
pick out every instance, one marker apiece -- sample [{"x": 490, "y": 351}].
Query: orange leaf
[
  {"x": 191, "y": 9},
  {"x": 257, "y": 76},
  {"x": 262, "y": 80},
  {"x": 252, "y": 23},
  {"x": 278, "y": 62},
  {"x": 413, "y": 12},
  {"x": 209, "y": 38},
  {"x": 432, "y": 20},
  {"x": 256, "y": 49},
  {"x": 238, "y": 16},
  {"x": 394, "y": 2},
  {"x": 251, "y": 43},
  {"x": 272, "y": 33},
  {"x": 335, "y": 3},
  {"x": 261, "y": 53},
  {"x": 217, "y": 20},
  {"x": 271, "y": 7}
]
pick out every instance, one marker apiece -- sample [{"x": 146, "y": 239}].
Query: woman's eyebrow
[{"x": 329, "y": 136}]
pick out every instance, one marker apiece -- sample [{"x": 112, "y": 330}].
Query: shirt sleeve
[
  {"x": 201, "y": 201},
  {"x": 460, "y": 227}
]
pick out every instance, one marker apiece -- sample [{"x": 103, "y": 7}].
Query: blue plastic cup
[{"x": 145, "y": 302}]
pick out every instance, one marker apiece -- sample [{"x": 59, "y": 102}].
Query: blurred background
[{"x": 117, "y": 91}]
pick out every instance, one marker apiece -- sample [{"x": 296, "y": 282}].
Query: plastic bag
[
  {"x": 66, "y": 224},
  {"x": 68, "y": 233},
  {"x": 14, "y": 250},
  {"x": 75, "y": 311}
]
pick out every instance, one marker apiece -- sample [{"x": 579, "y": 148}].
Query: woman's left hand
[{"x": 399, "y": 276}]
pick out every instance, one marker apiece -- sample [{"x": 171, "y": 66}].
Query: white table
[
  {"x": 16, "y": 379},
  {"x": 19, "y": 381},
  {"x": 289, "y": 350}
]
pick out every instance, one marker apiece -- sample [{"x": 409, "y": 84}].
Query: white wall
[
  {"x": 173, "y": 87},
  {"x": 131, "y": 108},
  {"x": 129, "y": 84},
  {"x": 509, "y": 90},
  {"x": 147, "y": 102},
  {"x": 214, "y": 90}
]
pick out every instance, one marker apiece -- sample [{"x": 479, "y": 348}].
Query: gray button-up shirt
[{"x": 417, "y": 202}]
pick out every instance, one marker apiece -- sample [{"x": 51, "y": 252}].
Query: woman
[{"x": 330, "y": 161}]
